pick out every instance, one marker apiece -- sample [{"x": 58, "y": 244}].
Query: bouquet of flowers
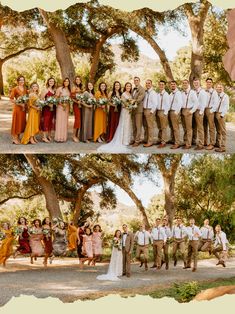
[
  {"x": 35, "y": 231},
  {"x": 46, "y": 232},
  {"x": 51, "y": 101},
  {"x": 102, "y": 103},
  {"x": 130, "y": 105},
  {"x": 40, "y": 104},
  {"x": 80, "y": 98},
  {"x": 117, "y": 244},
  {"x": 22, "y": 101},
  {"x": 2, "y": 236},
  {"x": 91, "y": 101},
  {"x": 18, "y": 231},
  {"x": 66, "y": 100},
  {"x": 116, "y": 102}
]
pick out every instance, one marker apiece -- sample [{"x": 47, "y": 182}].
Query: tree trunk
[
  {"x": 169, "y": 192},
  {"x": 63, "y": 54},
  {"x": 1, "y": 80},
  {"x": 95, "y": 58},
  {"x": 52, "y": 203}
]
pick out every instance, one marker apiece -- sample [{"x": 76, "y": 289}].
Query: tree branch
[{"x": 18, "y": 197}]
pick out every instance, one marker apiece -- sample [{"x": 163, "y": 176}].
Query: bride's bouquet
[
  {"x": 117, "y": 244},
  {"x": 116, "y": 102},
  {"x": 130, "y": 105}
]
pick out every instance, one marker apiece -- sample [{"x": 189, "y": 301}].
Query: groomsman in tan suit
[
  {"x": 198, "y": 129},
  {"x": 220, "y": 246},
  {"x": 163, "y": 107},
  {"x": 221, "y": 110},
  {"x": 150, "y": 106},
  {"x": 167, "y": 244},
  {"x": 159, "y": 239},
  {"x": 179, "y": 235},
  {"x": 127, "y": 248},
  {"x": 143, "y": 239},
  {"x": 209, "y": 116},
  {"x": 190, "y": 105},
  {"x": 207, "y": 232},
  {"x": 137, "y": 119},
  {"x": 174, "y": 112}
]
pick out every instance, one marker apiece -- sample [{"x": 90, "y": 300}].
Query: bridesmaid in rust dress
[
  {"x": 113, "y": 118},
  {"x": 77, "y": 89},
  {"x": 19, "y": 111},
  {"x": 23, "y": 239},
  {"x": 48, "y": 112},
  {"x": 47, "y": 239}
]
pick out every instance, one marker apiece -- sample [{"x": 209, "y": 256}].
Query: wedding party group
[
  {"x": 118, "y": 117},
  {"x": 50, "y": 239}
]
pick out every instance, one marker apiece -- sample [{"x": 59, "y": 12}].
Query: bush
[{"x": 185, "y": 292}]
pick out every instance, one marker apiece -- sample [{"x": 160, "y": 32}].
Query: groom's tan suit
[
  {"x": 137, "y": 118},
  {"x": 127, "y": 248}
]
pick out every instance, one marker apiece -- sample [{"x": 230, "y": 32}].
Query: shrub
[{"x": 185, "y": 292}]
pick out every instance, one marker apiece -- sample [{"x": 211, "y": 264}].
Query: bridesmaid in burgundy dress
[
  {"x": 48, "y": 113},
  {"x": 24, "y": 247},
  {"x": 77, "y": 89},
  {"x": 47, "y": 239},
  {"x": 114, "y": 115}
]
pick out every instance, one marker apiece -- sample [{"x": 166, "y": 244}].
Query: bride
[
  {"x": 115, "y": 266},
  {"x": 123, "y": 134}
]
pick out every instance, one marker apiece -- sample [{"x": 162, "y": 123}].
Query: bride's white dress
[
  {"x": 115, "y": 266},
  {"x": 123, "y": 134}
]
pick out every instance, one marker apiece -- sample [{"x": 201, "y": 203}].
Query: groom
[{"x": 127, "y": 247}]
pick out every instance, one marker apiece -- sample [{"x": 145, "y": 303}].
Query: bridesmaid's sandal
[
  {"x": 31, "y": 260},
  {"x": 32, "y": 142},
  {"x": 16, "y": 142},
  {"x": 87, "y": 141},
  {"x": 100, "y": 140},
  {"x": 45, "y": 140},
  {"x": 75, "y": 139}
]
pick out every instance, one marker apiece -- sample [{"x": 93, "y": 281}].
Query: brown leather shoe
[
  {"x": 220, "y": 150},
  {"x": 210, "y": 147},
  {"x": 170, "y": 142},
  {"x": 194, "y": 269},
  {"x": 161, "y": 145},
  {"x": 199, "y": 147},
  {"x": 135, "y": 144},
  {"x": 175, "y": 146},
  {"x": 187, "y": 147},
  {"x": 148, "y": 145}
]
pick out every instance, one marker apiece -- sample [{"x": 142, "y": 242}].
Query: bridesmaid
[
  {"x": 97, "y": 243},
  {"x": 87, "y": 115},
  {"x": 62, "y": 113},
  {"x": 113, "y": 118},
  {"x": 6, "y": 248},
  {"x": 47, "y": 238},
  {"x": 60, "y": 242},
  {"x": 19, "y": 111},
  {"x": 87, "y": 249},
  {"x": 100, "y": 120},
  {"x": 72, "y": 237},
  {"x": 48, "y": 115},
  {"x": 35, "y": 240},
  {"x": 24, "y": 247},
  {"x": 32, "y": 126},
  {"x": 77, "y": 89}
]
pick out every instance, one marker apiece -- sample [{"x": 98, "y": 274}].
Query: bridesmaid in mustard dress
[
  {"x": 62, "y": 113},
  {"x": 32, "y": 126},
  {"x": 36, "y": 240},
  {"x": 6, "y": 248},
  {"x": 100, "y": 120},
  {"x": 72, "y": 237}
]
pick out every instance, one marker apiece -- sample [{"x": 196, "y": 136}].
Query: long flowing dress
[
  {"x": 87, "y": 120},
  {"x": 97, "y": 243},
  {"x": 60, "y": 242},
  {"x": 87, "y": 246},
  {"x": 113, "y": 121},
  {"x": 6, "y": 248},
  {"x": 35, "y": 241},
  {"x": 76, "y": 109},
  {"x": 47, "y": 240},
  {"x": 123, "y": 134},
  {"x": 100, "y": 119},
  {"x": 18, "y": 114},
  {"x": 48, "y": 115},
  {"x": 24, "y": 247},
  {"x": 62, "y": 118},
  {"x": 115, "y": 266},
  {"x": 72, "y": 237},
  {"x": 32, "y": 126},
  {"x": 80, "y": 243}
]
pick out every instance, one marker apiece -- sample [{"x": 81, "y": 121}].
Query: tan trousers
[
  {"x": 218, "y": 252},
  {"x": 173, "y": 119},
  {"x": 126, "y": 270},
  {"x": 166, "y": 253},
  {"x": 162, "y": 122},
  {"x": 205, "y": 245},
  {"x": 187, "y": 118},
  {"x": 209, "y": 123},
  {"x": 221, "y": 130},
  {"x": 179, "y": 245},
  {"x": 157, "y": 247},
  {"x": 137, "y": 122},
  {"x": 149, "y": 125},
  {"x": 142, "y": 249},
  {"x": 192, "y": 252},
  {"x": 198, "y": 129}
]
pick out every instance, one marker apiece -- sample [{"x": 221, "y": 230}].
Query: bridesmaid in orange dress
[
  {"x": 72, "y": 237},
  {"x": 32, "y": 126},
  {"x": 100, "y": 120},
  {"x": 62, "y": 113},
  {"x": 6, "y": 248},
  {"x": 77, "y": 89},
  {"x": 19, "y": 111}
]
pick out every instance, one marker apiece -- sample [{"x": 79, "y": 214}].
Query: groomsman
[
  {"x": 179, "y": 235},
  {"x": 174, "y": 111},
  {"x": 220, "y": 246},
  {"x": 143, "y": 239},
  {"x": 163, "y": 106},
  {"x": 150, "y": 106},
  {"x": 167, "y": 244},
  {"x": 137, "y": 119},
  {"x": 159, "y": 239},
  {"x": 212, "y": 101},
  {"x": 221, "y": 110},
  {"x": 198, "y": 129},
  {"x": 207, "y": 232},
  {"x": 190, "y": 105},
  {"x": 194, "y": 235},
  {"x": 127, "y": 248}
]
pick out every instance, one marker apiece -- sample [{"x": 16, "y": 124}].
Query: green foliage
[{"x": 185, "y": 292}]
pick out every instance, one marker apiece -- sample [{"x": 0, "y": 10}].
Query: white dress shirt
[
  {"x": 176, "y": 101},
  {"x": 158, "y": 233},
  {"x": 223, "y": 104},
  {"x": 150, "y": 100},
  {"x": 194, "y": 232},
  {"x": 207, "y": 233},
  {"x": 212, "y": 99},
  {"x": 163, "y": 102},
  {"x": 221, "y": 239},
  {"x": 202, "y": 99},
  {"x": 143, "y": 237},
  {"x": 179, "y": 232},
  {"x": 124, "y": 235},
  {"x": 190, "y": 100},
  {"x": 167, "y": 231}
]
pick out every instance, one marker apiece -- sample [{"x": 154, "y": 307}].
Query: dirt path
[
  {"x": 70, "y": 147},
  {"x": 64, "y": 280}
]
